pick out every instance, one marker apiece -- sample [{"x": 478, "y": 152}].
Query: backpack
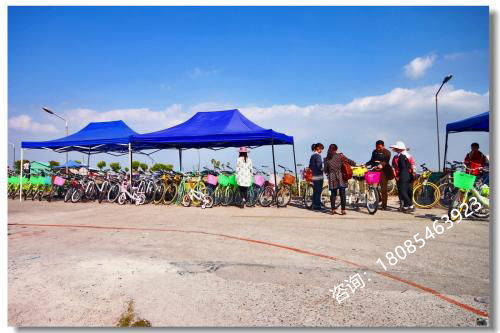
[{"x": 346, "y": 169}]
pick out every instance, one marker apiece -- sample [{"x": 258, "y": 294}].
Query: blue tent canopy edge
[
  {"x": 213, "y": 129},
  {"x": 96, "y": 137},
  {"x": 477, "y": 123}
]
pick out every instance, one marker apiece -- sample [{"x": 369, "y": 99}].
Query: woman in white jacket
[{"x": 244, "y": 174}]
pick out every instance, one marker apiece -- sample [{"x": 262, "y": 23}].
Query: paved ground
[{"x": 178, "y": 266}]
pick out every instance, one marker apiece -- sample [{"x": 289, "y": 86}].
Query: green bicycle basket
[
  {"x": 463, "y": 180},
  {"x": 232, "y": 179},
  {"x": 223, "y": 179}
]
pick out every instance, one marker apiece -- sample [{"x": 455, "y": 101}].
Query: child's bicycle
[
  {"x": 195, "y": 192},
  {"x": 471, "y": 191},
  {"x": 363, "y": 189},
  {"x": 139, "y": 198}
]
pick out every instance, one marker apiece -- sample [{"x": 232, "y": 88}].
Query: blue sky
[{"x": 330, "y": 74}]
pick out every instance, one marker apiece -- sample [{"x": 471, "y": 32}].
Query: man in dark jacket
[
  {"x": 316, "y": 166},
  {"x": 380, "y": 159}
]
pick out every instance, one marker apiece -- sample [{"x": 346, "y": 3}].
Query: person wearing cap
[
  {"x": 244, "y": 174},
  {"x": 381, "y": 160},
  {"x": 404, "y": 173}
]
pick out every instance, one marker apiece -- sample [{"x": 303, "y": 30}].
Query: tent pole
[
  {"x": 295, "y": 167},
  {"x": 130, "y": 163},
  {"x": 180, "y": 159},
  {"x": 275, "y": 180},
  {"x": 21, "y": 177},
  {"x": 445, "y": 151}
]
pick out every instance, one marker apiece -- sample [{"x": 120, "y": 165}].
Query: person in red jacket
[{"x": 475, "y": 159}]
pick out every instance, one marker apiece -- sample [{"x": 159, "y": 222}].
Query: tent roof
[
  {"x": 69, "y": 164},
  {"x": 96, "y": 137},
  {"x": 477, "y": 123},
  {"x": 229, "y": 128}
]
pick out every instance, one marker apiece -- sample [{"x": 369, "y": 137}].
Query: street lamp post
[
  {"x": 65, "y": 123},
  {"x": 446, "y": 79},
  {"x": 14, "y": 153}
]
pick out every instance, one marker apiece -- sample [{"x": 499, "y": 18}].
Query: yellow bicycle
[{"x": 426, "y": 194}]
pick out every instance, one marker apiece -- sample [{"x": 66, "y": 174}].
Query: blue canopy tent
[
  {"x": 111, "y": 137},
  {"x": 214, "y": 130},
  {"x": 70, "y": 164},
  {"x": 477, "y": 123}
]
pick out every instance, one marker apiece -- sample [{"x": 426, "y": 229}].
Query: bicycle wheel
[
  {"x": 186, "y": 200},
  {"x": 158, "y": 194},
  {"x": 77, "y": 195},
  {"x": 251, "y": 196},
  {"x": 284, "y": 196},
  {"x": 372, "y": 199},
  {"x": 308, "y": 196},
  {"x": 456, "y": 203},
  {"x": 392, "y": 188},
  {"x": 228, "y": 196},
  {"x": 69, "y": 193},
  {"x": 113, "y": 193},
  {"x": 446, "y": 193},
  {"x": 266, "y": 196},
  {"x": 325, "y": 198},
  {"x": 425, "y": 195},
  {"x": 170, "y": 194},
  {"x": 208, "y": 201},
  {"x": 218, "y": 195},
  {"x": 122, "y": 198}
]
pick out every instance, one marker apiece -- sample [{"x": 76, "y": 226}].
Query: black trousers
[
  {"x": 333, "y": 197},
  {"x": 243, "y": 192},
  {"x": 317, "y": 188},
  {"x": 405, "y": 191}
]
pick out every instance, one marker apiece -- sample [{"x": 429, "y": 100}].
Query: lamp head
[
  {"x": 447, "y": 78},
  {"x": 47, "y": 110}
]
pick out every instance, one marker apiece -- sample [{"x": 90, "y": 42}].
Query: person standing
[
  {"x": 244, "y": 174},
  {"x": 405, "y": 175},
  {"x": 336, "y": 180},
  {"x": 381, "y": 161},
  {"x": 316, "y": 166}
]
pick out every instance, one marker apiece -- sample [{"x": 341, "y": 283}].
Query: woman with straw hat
[{"x": 403, "y": 170}]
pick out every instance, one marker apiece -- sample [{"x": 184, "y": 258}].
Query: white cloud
[
  {"x": 418, "y": 66},
  {"x": 198, "y": 72},
  {"x": 400, "y": 114},
  {"x": 26, "y": 124}
]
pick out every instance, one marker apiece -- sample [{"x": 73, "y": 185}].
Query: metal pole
[
  {"x": 180, "y": 159},
  {"x": 130, "y": 163},
  {"x": 295, "y": 166},
  {"x": 21, "y": 177},
  {"x": 67, "y": 154},
  {"x": 445, "y": 151},
  {"x": 437, "y": 131},
  {"x": 275, "y": 179}
]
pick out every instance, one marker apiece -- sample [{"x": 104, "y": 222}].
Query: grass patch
[{"x": 127, "y": 318}]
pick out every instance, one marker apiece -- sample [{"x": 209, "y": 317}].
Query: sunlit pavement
[{"x": 81, "y": 264}]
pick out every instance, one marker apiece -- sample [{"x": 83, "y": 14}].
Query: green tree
[
  {"x": 162, "y": 167},
  {"x": 144, "y": 167},
  {"x": 101, "y": 165},
  {"x": 126, "y": 169},
  {"x": 115, "y": 166},
  {"x": 135, "y": 165},
  {"x": 53, "y": 164}
]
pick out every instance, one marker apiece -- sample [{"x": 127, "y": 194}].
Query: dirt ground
[{"x": 87, "y": 264}]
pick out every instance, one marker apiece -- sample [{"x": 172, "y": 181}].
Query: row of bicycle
[{"x": 205, "y": 189}]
